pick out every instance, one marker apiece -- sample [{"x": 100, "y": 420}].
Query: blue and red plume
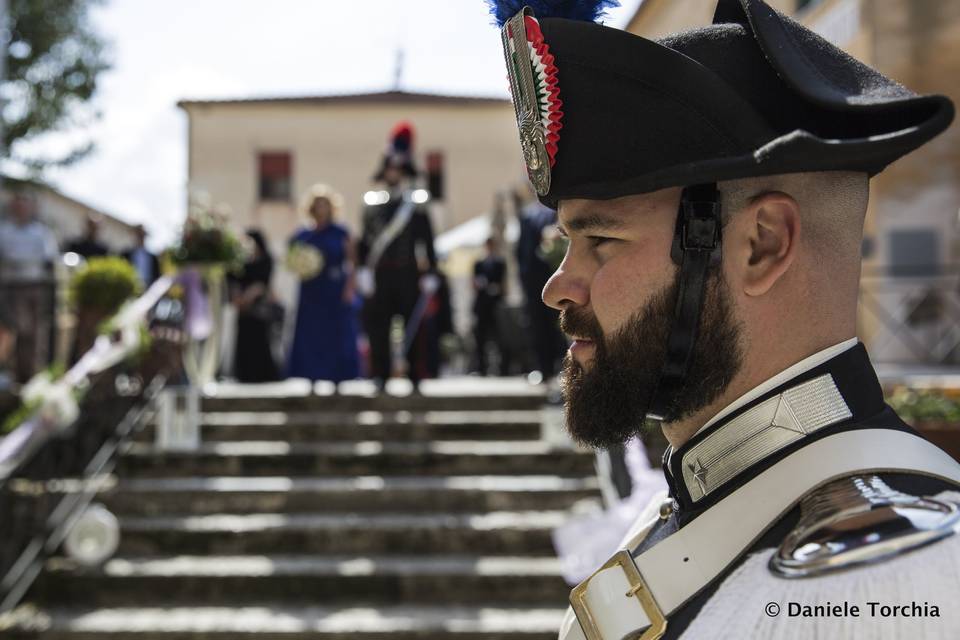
[
  {"x": 401, "y": 137},
  {"x": 583, "y": 10}
]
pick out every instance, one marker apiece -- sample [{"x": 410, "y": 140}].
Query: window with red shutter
[{"x": 275, "y": 171}]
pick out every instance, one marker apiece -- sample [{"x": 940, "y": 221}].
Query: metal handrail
[
  {"x": 106, "y": 351},
  {"x": 49, "y": 472}
]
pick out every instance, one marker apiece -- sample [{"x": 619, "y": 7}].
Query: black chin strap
[{"x": 696, "y": 246}]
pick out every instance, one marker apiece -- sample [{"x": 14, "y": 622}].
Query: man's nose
[{"x": 566, "y": 287}]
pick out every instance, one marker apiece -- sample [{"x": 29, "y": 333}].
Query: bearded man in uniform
[{"x": 713, "y": 186}]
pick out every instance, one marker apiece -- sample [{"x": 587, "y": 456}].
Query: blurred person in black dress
[{"x": 256, "y": 312}]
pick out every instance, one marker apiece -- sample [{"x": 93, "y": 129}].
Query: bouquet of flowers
[
  {"x": 304, "y": 260},
  {"x": 207, "y": 238}
]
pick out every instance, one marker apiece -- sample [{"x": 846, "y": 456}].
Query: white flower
[
  {"x": 221, "y": 212},
  {"x": 59, "y": 407},
  {"x": 38, "y": 387},
  {"x": 200, "y": 200},
  {"x": 305, "y": 261}
]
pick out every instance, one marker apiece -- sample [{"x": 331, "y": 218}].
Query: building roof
[
  {"x": 381, "y": 97},
  {"x": 43, "y": 186}
]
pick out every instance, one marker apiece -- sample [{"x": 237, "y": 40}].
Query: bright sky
[{"x": 166, "y": 51}]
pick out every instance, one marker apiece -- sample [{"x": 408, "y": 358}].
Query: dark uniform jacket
[
  {"x": 489, "y": 277},
  {"x": 402, "y": 252},
  {"x": 860, "y": 389}
]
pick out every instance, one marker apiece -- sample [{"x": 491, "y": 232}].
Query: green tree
[{"x": 53, "y": 59}]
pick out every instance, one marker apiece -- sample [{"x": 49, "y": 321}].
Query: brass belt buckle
[{"x": 638, "y": 589}]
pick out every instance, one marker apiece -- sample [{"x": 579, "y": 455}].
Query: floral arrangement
[
  {"x": 206, "y": 238},
  {"x": 304, "y": 260},
  {"x": 48, "y": 397},
  {"x": 52, "y": 397}
]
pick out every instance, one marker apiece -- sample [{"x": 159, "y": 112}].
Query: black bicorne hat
[
  {"x": 399, "y": 153},
  {"x": 604, "y": 113}
]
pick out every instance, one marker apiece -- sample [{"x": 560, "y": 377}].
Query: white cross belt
[{"x": 629, "y": 595}]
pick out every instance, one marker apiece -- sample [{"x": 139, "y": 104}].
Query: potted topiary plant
[{"x": 97, "y": 291}]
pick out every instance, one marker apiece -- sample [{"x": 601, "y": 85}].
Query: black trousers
[
  {"x": 487, "y": 329},
  {"x": 396, "y": 294}
]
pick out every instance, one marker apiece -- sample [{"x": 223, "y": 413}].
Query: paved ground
[
  {"x": 441, "y": 387},
  {"x": 936, "y": 376},
  {"x": 920, "y": 376}
]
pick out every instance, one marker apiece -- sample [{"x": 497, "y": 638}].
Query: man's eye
[{"x": 596, "y": 241}]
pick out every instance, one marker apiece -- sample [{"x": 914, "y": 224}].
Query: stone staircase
[{"x": 331, "y": 517}]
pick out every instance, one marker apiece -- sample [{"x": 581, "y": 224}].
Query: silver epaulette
[{"x": 858, "y": 520}]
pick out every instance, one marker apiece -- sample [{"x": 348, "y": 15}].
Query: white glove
[
  {"x": 429, "y": 284},
  {"x": 365, "y": 282}
]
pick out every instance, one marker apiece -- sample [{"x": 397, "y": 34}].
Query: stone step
[
  {"x": 500, "y": 532},
  {"x": 273, "y": 621},
  {"x": 366, "y": 425},
  {"x": 411, "y": 494},
  {"x": 272, "y": 458},
  {"x": 376, "y": 581}
]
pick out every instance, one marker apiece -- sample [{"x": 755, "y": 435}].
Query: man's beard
[{"x": 607, "y": 404}]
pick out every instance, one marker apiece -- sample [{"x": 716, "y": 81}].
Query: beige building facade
[
  {"x": 910, "y": 309},
  {"x": 339, "y": 140},
  {"x": 258, "y": 156}
]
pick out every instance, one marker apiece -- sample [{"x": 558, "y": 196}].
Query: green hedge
[{"x": 919, "y": 405}]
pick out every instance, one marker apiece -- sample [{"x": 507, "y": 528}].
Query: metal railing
[
  {"x": 50, "y": 472},
  {"x": 912, "y": 318}
]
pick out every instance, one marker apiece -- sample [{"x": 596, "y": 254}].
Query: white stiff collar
[{"x": 790, "y": 372}]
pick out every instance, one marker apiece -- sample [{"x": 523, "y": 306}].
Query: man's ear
[{"x": 773, "y": 227}]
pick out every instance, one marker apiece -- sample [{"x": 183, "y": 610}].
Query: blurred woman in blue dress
[{"x": 321, "y": 255}]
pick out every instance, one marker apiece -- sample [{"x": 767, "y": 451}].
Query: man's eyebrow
[{"x": 591, "y": 222}]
